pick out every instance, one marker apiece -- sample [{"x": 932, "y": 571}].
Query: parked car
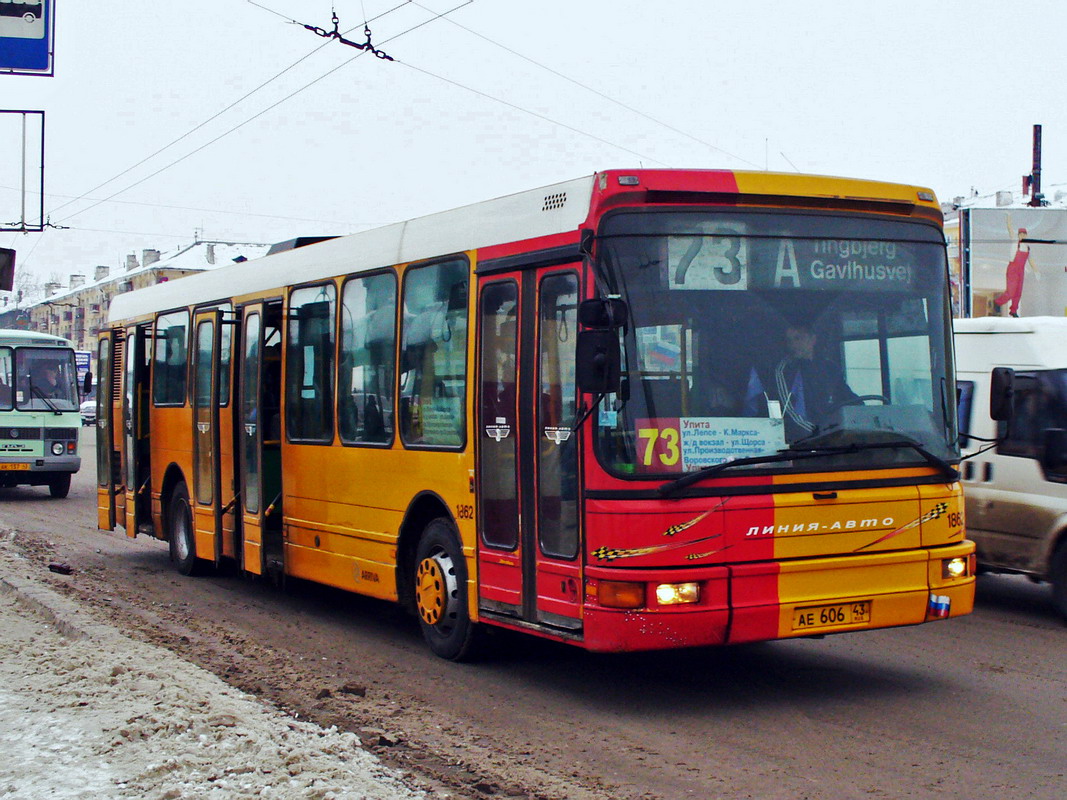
[
  {"x": 88, "y": 409},
  {"x": 1016, "y": 489}
]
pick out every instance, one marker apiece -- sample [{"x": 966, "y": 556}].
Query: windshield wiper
[
  {"x": 670, "y": 487},
  {"x": 949, "y": 471},
  {"x": 800, "y": 453},
  {"x": 34, "y": 390}
]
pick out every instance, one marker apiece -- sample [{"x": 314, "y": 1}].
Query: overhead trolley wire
[
  {"x": 205, "y": 122},
  {"x": 254, "y": 116},
  {"x": 598, "y": 93},
  {"x": 306, "y": 86},
  {"x": 207, "y": 210},
  {"x": 528, "y": 111}
]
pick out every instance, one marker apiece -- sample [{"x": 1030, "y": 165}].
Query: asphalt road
[{"x": 973, "y": 707}]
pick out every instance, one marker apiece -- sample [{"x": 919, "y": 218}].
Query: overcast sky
[{"x": 504, "y": 95}]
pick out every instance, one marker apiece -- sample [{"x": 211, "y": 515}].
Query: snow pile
[{"x": 88, "y": 713}]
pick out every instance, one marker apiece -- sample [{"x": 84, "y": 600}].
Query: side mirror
[
  {"x": 603, "y": 312},
  {"x": 1001, "y": 393},
  {"x": 87, "y": 385},
  {"x": 1054, "y": 452},
  {"x": 598, "y": 360}
]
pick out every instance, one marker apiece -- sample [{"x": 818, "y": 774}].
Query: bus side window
[
  {"x": 434, "y": 355},
  {"x": 171, "y": 359},
  {"x": 365, "y": 378},
  {"x": 6, "y": 397},
  {"x": 309, "y": 364}
]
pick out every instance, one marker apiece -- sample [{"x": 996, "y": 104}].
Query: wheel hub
[{"x": 435, "y": 590}]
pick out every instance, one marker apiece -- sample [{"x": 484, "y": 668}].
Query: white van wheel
[{"x": 1058, "y": 576}]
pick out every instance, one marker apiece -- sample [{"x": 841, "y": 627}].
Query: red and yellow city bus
[{"x": 643, "y": 409}]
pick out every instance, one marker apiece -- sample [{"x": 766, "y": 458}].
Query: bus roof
[
  {"x": 550, "y": 210},
  {"x": 14, "y": 337}
]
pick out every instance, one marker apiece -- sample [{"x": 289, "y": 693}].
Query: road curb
[{"x": 67, "y": 616}]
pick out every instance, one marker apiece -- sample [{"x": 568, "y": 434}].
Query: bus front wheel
[
  {"x": 180, "y": 529},
  {"x": 441, "y": 593},
  {"x": 59, "y": 485}
]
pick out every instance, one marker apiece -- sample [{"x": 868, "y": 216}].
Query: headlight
[
  {"x": 672, "y": 594},
  {"x": 57, "y": 448},
  {"x": 954, "y": 568}
]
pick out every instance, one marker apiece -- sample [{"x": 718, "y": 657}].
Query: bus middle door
[
  {"x": 207, "y": 477},
  {"x": 258, "y": 438}
]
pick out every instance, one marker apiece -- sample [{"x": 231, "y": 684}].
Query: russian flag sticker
[{"x": 939, "y": 606}]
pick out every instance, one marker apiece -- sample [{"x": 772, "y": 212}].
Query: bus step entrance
[{"x": 275, "y": 570}]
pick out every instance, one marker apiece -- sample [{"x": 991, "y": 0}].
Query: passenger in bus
[{"x": 804, "y": 388}]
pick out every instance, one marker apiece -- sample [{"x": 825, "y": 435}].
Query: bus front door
[
  {"x": 207, "y": 488},
  {"x": 529, "y": 556},
  {"x": 258, "y": 439},
  {"x": 135, "y": 420}
]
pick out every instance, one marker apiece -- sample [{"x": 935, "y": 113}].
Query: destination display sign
[
  {"x": 729, "y": 258},
  {"x": 688, "y": 443}
]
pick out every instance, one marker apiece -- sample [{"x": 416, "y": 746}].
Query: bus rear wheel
[
  {"x": 441, "y": 593},
  {"x": 59, "y": 485},
  {"x": 180, "y": 532}
]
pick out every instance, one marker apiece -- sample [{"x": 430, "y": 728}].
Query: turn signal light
[{"x": 620, "y": 594}]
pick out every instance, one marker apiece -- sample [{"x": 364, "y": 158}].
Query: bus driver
[{"x": 805, "y": 386}]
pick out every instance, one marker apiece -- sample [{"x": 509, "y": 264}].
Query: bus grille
[{"x": 22, "y": 433}]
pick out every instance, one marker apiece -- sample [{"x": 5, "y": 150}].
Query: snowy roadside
[{"x": 86, "y": 712}]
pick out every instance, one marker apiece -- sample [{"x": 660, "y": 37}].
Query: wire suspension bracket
[{"x": 336, "y": 34}]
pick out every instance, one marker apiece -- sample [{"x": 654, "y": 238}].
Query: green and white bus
[{"x": 39, "y": 411}]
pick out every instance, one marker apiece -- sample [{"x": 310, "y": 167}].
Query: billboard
[
  {"x": 26, "y": 37},
  {"x": 1015, "y": 261}
]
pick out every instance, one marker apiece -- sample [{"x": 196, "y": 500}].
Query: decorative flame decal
[
  {"x": 933, "y": 513},
  {"x": 615, "y": 553}
]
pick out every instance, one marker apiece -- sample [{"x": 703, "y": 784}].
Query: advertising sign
[
  {"x": 83, "y": 362},
  {"x": 26, "y": 37},
  {"x": 1016, "y": 261}
]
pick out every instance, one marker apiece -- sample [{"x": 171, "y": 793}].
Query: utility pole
[{"x": 1032, "y": 182}]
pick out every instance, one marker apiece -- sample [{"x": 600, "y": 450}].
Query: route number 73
[{"x": 662, "y": 443}]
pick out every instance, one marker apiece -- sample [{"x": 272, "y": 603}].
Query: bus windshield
[
  {"x": 45, "y": 379},
  {"x": 754, "y": 333}
]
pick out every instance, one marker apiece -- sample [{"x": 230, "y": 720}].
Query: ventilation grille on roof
[{"x": 554, "y": 201}]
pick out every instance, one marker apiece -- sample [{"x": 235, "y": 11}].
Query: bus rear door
[
  {"x": 135, "y": 420},
  {"x": 108, "y": 367}
]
